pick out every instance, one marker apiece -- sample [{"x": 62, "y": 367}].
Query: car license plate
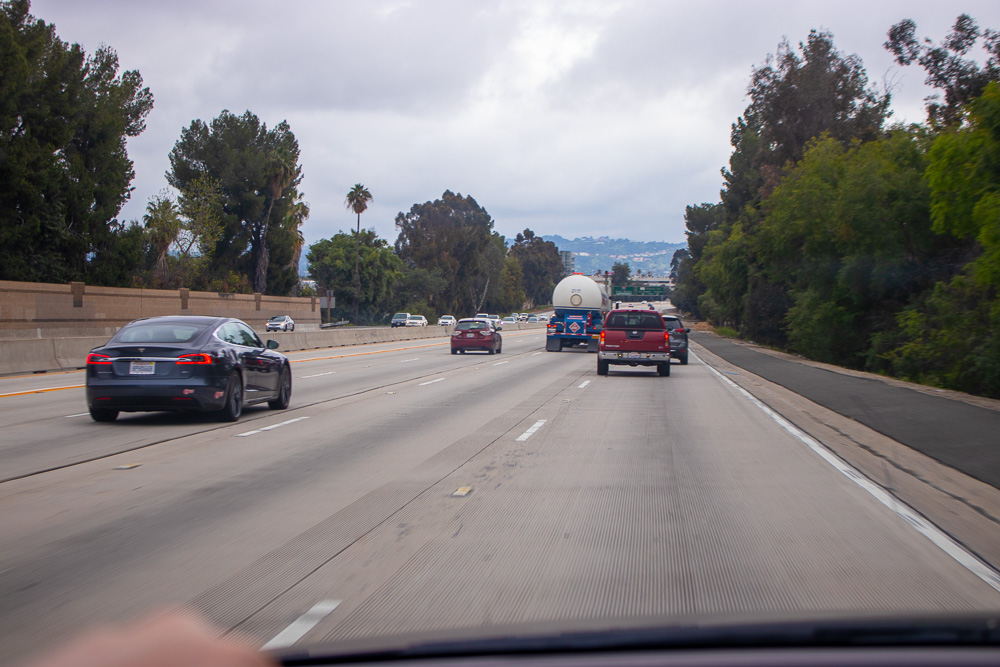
[
  {"x": 470, "y": 335},
  {"x": 141, "y": 368},
  {"x": 634, "y": 355}
]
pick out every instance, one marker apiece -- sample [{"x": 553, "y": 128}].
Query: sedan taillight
[
  {"x": 93, "y": 359},
  {"x": 194, "y": 359}
]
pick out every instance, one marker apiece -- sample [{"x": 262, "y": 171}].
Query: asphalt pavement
[{"x": 956, "y": 433}]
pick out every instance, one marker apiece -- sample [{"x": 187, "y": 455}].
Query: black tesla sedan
[{"x": 185, "y": 363}]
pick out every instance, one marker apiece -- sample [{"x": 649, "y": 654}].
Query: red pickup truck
[{"x": 634, "y": 337}]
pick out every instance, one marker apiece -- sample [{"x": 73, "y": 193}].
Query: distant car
[
  {"x": 523, "y": 317},
  {"x": 186, "y": 363},
  {"x": 476, "y": 333},
  {"x": 399, "y": 320},
  {"x": 280, "y": 323},
  {"x": 533, "y": 318},
  {"x": 416, "y": 321},
  {"x": 678, "y": 338},
  {"x": 509, "y": 320},
  {"x": 497, "y": 322},
  {"x": 447, "y": 321},
  {"x": 543, "y": 318}
]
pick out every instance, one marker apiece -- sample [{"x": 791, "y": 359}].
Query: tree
[
  {"x": 960, "y": 78},
  {"x": 357, "y": 201},
  {"x": 540, "y": 263},
  {"x": 621, "y": 275},
  {"x": 64, "y": 170},
  {"x": 331, "y": 266},
  {"x": 163, "y": 224},
  {"x": 453, "y": 238},
  {"x": 256, "y": 172}
]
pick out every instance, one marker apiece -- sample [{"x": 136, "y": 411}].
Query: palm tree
[{"x": 357, "y": 201}]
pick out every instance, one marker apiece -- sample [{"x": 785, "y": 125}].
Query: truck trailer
[{"x": 580, "y": 305}]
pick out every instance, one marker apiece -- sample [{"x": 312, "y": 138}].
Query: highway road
[{"x": 410, "y": 490}]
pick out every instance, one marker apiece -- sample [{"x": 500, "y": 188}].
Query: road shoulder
[{"x": 965, "y": 508}]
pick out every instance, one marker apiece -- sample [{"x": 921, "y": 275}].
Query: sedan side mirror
[{"x": 272, "y": 344}]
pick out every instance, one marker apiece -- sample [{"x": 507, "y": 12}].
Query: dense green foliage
[
  {"x": 866, "y": 247},
  {"x": 255, "y": 171},
  {"x": 452, "y": 239},
  {"x": 332, "y": 264},
  {"x": 541, "y": 267},
  {"x": 64, "y": 170}
]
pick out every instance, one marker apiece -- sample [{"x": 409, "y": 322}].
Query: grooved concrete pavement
[{"x": 963, "y": 436}]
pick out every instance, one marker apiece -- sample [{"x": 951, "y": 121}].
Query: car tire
[
  {"x": 293, "y": 328},
  {"x": 684, "y": 359},
  {"x": 454, "y": 351},
  {"x": 492, "y": 350},
  {"x": 462, "y": 351},
  {"x": 663, "y": 369},
  {"x": 602, "y": 367},
  {"x": 233, "y": 408},
  {"x": 103, "y": 414},
  {"x": 284, "y": 396}
]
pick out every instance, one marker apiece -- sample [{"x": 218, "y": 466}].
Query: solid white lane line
[
  {"x": 499, "y": 363},
  {"x": 268, "y": 428},
  {"x": 430, "y": 382},
  {"x": 82, "y": 414},
  {"x": 304, "y": 377},
  {"x": 531, "y": 431},
  {"x": 303, "y": 624},
  {"x": 585, "y": 383},
  {"x": 534, "y": 353},
  {"x": 405, "y": 360},
  {"x": 931, "y": 532}
]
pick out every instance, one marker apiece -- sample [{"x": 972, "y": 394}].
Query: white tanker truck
[{"x": 580, "y": 305}]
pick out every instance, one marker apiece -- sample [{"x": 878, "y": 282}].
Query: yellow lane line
[{"x": 41, "y": 391}]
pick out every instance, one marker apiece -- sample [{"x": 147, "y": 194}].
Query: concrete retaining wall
[
  {"x": 36, "y": 355},
  {"x": 48, "y": 309}
]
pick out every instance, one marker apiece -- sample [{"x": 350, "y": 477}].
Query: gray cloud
[{"x": 573, "y": 118}]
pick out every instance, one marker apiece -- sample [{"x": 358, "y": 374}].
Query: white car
[
  {"x": 509, "y": 320},
  {"x": 416, "y": 321},
  {"x": 447, "y": 321},
  {"x": 280, "y": 323}
]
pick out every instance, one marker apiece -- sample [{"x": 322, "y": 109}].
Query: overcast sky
[{"x": 573, "y": 118}]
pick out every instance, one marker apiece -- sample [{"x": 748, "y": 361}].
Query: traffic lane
[
  {"x": 52, "y": 429},
  {"x": 638, "y": 498},
  {"x": 93, "y": 543}
]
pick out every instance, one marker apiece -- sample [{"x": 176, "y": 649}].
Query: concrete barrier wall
[
  {"x": 36, "y": 355},
  {"x": 48, "y": 308}
]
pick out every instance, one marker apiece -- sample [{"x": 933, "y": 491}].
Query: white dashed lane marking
[
  {"x": 303, "y": 624},
  {"x": 585, "y": 383},
  {"x": 269, "y": 428},
  {"x": 430, "y": 382},
  {"x": 304, "y": 377},
  {"x": 531, "y": 431}
]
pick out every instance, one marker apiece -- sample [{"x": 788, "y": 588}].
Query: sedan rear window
[
  {"x": 159, "y": 333},
  {"x": 472, "y": 326}
]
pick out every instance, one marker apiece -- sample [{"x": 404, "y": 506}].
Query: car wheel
[
  {"x": 103, "y": 414},
  {"x": 684, "y": 359},
  {"x": 454, "y": 351},
  {"x": 233, "y": 408},
  {"x": 284, "y": 396},
  {"x": 492, "y": 350},
  {"x": 462, "y": 351},
  {"x": 663, "y": 369},
  {"x": 500, "y": 349},
  {"x": 293, "y": 328},
  {"x": 602, "y": 367}
]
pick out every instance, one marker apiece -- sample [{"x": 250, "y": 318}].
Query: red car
[{"x": 473, "y": 333}]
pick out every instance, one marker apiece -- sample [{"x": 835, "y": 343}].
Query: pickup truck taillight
[
  {"x": 602, "y": 337},
  {"x": 666, "y": 337}
]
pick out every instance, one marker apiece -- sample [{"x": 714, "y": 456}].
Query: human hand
[{"x": 175, "y": 639}]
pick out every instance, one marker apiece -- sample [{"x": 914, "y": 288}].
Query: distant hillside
[{"x": 592, "y": 255}]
